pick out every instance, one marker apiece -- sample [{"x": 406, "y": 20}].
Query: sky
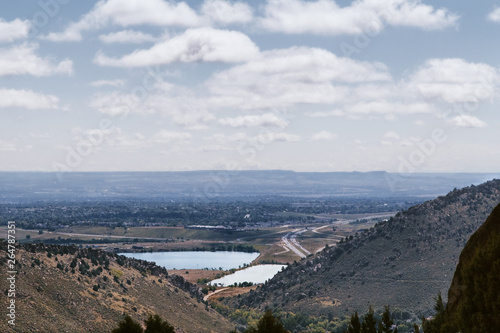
[{"x": 153, "y": 85}]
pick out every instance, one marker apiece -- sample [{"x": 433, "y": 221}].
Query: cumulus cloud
[
  {"x": 284, "y": 77},
  {"x": 23, "y": 60},
  {"x": 13, "y": 98},
  {"x": 391, "y": 135},
  {"x": 127, "y": 36},
  {"x": 277, "y": 137},
  {"x": 323, "y": 136},
  {"x": 7, "y": 146},
  {"x": 115, "y": 103},
  {"x": 454, "y": 80},
  {"x": 328, "y": 18},
  {"x": 324, "y": 114},
  {"x": 468, "y": 121},
  {"x": 126, "y": 13},
  {"x": 394, "y": 106},
  {"x": 178, "y": 103},
  {"x": 225, "y": 12},
  {"x": 264, "y": 120},
  {"x": 223, "y": 138},
  {"x": 161, "y": 13},
  {"x": 199, "y": 44},
  {"x": 494, "y": 16},
  {"x": 13, "y": 30},
  {"x": 113, "y": 83},
  {"x": 165, "y": 136}
]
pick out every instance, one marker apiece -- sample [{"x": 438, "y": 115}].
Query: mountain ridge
[{"x": 404, "y": 262}]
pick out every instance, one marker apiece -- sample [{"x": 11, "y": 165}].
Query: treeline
[
  {"x": 76, "y": 241},
  {"x": 155, "y": 324},
  {"x": 369, "y": 323}
]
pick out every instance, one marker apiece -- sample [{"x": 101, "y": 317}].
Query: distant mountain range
[
  {"x": 203, "y": 185},
  {"x": 404, "y": 262}
]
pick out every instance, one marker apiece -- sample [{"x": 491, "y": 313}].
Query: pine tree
[
  {"x": 355, "y": 325},
  {"x": 128, "y": 325},
  {"x": 369, "y": 323},
  {"x": 154, "y": 324},
  {"x": 268, "y": 324},
  {"x": 385, "y": 325},
  {"x": 416, "y": 329}
]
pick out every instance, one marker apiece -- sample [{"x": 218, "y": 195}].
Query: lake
[
  {"x": 196, "y": 260},
  {"x": 256, "y": 274}
]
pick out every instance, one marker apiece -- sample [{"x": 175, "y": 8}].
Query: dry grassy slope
[
  {"x": 404, "y": 262},
  {"x": 52, "y": 300}
]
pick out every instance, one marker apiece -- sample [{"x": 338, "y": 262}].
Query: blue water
[{"x": 196, "y": 260}]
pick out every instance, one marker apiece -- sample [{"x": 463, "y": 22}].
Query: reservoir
[
  {"x": 255, "y": 274},
  {"x": 196, "y": 260}
]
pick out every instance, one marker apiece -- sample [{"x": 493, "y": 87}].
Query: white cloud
[
  {"x": 126, "y": 13},
  {"x": 323, "y": 135},
  {"x": 113, "y": 83},
  {"x": 7, "y": 146},
  {"x": 200, "y": 44},
  {"x": 279, "y": 137},
  {"x": 12, "y": 98},
  {"x": 225, "y": 12},
  {"x": 391, "y": 135},
  {"x": 165, "y": 136},
  {"x": 455, "y": 80},
  {"x": 285, "y": 77},
  {"x": 328, "y": 18},
  {"x": 127, "y": 36},
  {"x": 494, "y": 16},
  {"x": 166, "y": 99},
  {"x": 22, "y": 60},
  {"x": 390, "y": 107},
  {"x": 223, "y": 138},
  {"x": 16, "y": 29},
  {"x": 264, "y": 120},
  {"x": 192, "y": 119},
  {"x": 468, "y": 121},
  {"x": 115, "y": 103},
  {"x": 324, "y": 114}
]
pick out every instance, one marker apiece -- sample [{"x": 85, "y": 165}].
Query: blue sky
[{"x": 154, "y": 85}]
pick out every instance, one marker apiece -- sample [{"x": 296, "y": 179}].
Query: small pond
[
  {"x": 255, "y": 274},
  {"x": 196, "y": 260}
]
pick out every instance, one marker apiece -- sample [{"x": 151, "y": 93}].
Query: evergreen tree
[
  {"x": 369, "y": 323},
  {"x": 355, "y": 325},
  {"x": 154, "y": 324},
  {"x": 437, "y": 324},
  {"x": 268, "y": 324},
  {"x": 416, "y": 329},
  {"x": 128, "y": 325},
  {"x": 384, "y": 326}
]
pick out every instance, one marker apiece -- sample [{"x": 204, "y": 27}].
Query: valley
[{"x": 334, "y": 255}]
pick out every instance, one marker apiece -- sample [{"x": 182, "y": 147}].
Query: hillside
[
  {"x": 65, "y": 289},
  {"x": 404, "y": 262},
  {"x": 474, "y": 305}
]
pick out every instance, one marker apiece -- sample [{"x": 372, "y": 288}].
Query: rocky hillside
[
  {"x": 473, "y": 298},
  {"x": 404, "y": 262},
  {"x": 65, "y": 289}
]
